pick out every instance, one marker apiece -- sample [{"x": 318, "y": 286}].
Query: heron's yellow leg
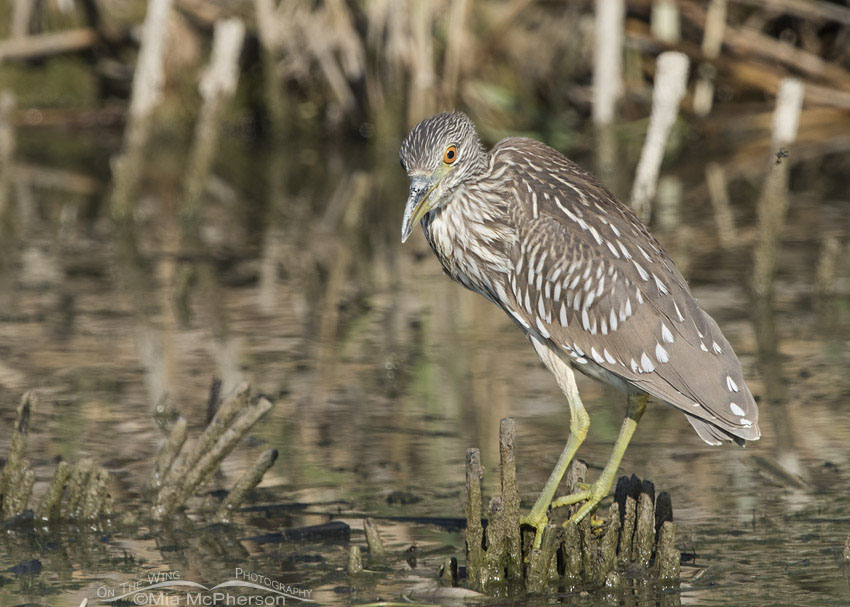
[
  {"x": 539, "y": 517},
  {"x": 599, "y": 489},
  {"x": 579, "y": 423}
]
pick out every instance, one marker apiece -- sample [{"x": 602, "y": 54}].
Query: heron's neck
[{"x": 472, "y": 237}]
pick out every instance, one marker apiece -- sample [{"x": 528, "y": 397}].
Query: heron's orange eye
[{"x": 450, "y": 155}]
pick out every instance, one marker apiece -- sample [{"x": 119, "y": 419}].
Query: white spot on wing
[
  {"x": 646, "y": 363},
  {"x": 678, "y": 313},
  {"x": 596, "y": 356},
  {"x": 736, "y": 409},
  {"x": 611, "y": 360},
  {"x": 643, "y": 273},
  {"x": 661, "y": 354},
  {"x": 730, "y": 383},
  {"x": 542, "y": 328},
  {"x": 666, "y": 335}
]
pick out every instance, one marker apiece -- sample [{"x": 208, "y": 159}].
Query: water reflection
[{"x": 385, "y": 372}]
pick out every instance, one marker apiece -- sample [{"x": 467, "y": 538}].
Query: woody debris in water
[{"x": 636, "y": 533}]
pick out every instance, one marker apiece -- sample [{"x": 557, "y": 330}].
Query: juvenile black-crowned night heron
[{"x": 584, "y": 279}]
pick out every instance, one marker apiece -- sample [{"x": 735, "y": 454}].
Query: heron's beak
[{"x": 418, "y": 202}]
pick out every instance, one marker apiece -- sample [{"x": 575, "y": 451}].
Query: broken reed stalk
[
  {"x": 222, "y": 419},
  {"x": 457, "y": 43},
  {"x": 179, "y": 487},
  {"x": 21, "y": 16},
  {"x": 608, "y": 60},
  {"x": 76, "y": 491},
  {"x": 664, "y": 21},
  {"x": 7, "y": 147},
  {"x": 712, "y": 41},
  {"x": 715, "y": 179},
  {"x": 95, "y": 495},
  {"x": 671, "y": 77},
  {"x": 422, "y": 77},
  {"x": 355, "y": 560},
  {"x": 168, "y": 452},
  {"x": 147, "y": 92},
  {"x": 50, "y": 507},
  {"x": 377, "y": 552},
  {"x": 827, "y": 269},
  {"x": 249, "y": 479},
  {"x": 773, "y": 201},
  {"x": 16, "y": 478},
  {"x": 510, "y": 497},
  {"x": 474, "y": 530},
  {"x": 217, "y": 87},
  {"x": 269, "y": 33}
]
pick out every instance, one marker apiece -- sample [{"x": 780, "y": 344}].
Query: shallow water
[{"x": 384, "y": 373}]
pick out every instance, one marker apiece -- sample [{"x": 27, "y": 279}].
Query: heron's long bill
[{"x": 418, "y": 203}]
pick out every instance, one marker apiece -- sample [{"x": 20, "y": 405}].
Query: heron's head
[{"x": 439, "y": 154}]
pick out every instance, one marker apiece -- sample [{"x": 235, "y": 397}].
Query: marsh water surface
[{"x": 384, "y": 373}]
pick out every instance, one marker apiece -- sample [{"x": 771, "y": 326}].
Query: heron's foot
[
  {"x": 573, "y": 498},
  {"x": 591, "y": 495},
  {"x": 595, "y": 494},
  {"x": 537, "y": 520}
]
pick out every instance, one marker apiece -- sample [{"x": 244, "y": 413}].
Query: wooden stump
[{"x": 636, "y": 533}]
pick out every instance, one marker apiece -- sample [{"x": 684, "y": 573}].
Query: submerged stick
[
  {"x": 249, "y": 479},
  {"x": 16, "y": 467},
  {"x": 671, "y": 76},
  {"x": 220, "y": 422},
  {"x": 355, "y": 561},
  {"x": 77, "y": 485},
  {"x": 168, "y": 452},
  {"x": 95, "y": 495},
  {"x": 50, "y": 508},
  {"x": 18, "y": 494},
  {"x": 176, "y": 492},
  {"x": 377, "y": 552}
]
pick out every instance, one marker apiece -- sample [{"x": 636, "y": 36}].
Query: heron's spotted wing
[{"x": 589, "y": 278}]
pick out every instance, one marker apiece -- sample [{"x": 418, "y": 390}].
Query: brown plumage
[{"x": 545, "y": 241}]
